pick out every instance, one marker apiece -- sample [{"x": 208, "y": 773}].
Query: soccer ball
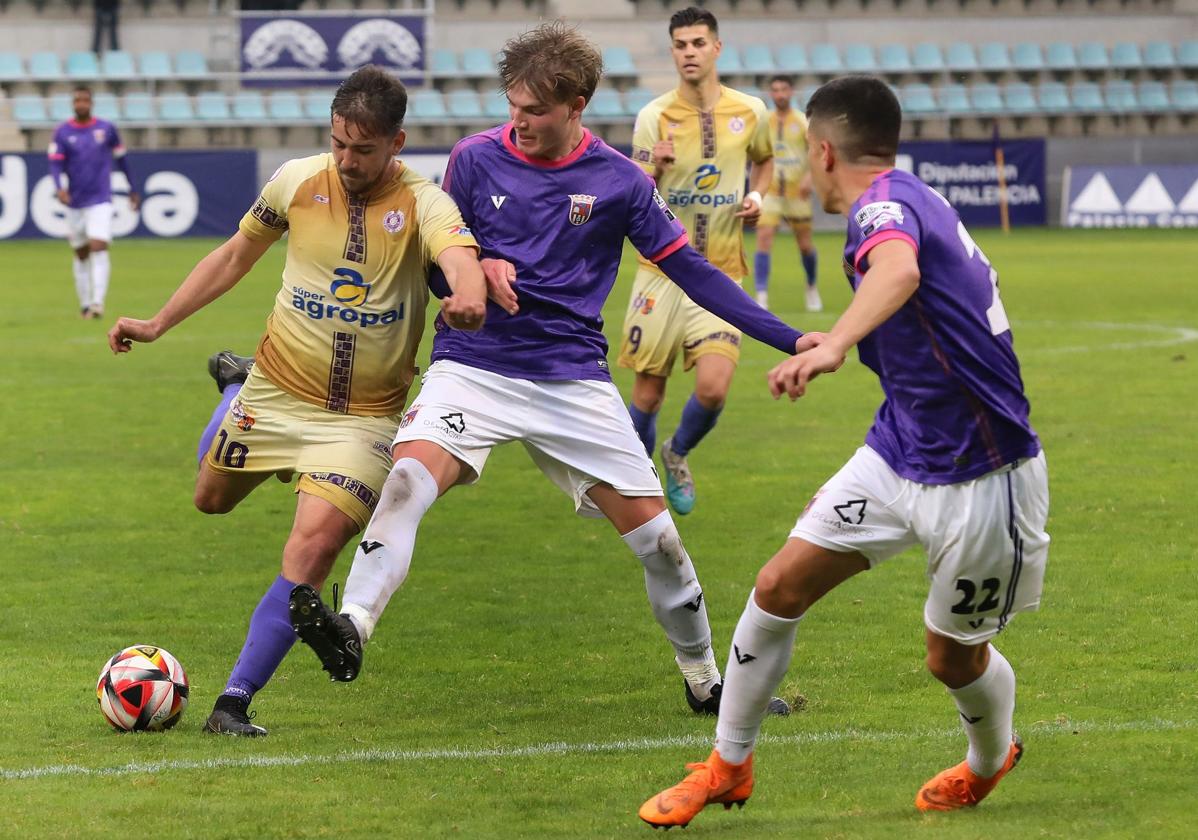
[{"x": 142, "y": 688}]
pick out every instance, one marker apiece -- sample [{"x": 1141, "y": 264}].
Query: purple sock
[
  {"x": 696, "y": 422},
  {"x": 226, "y": 399},
  {"x": 809, "y": 263},
  {"x": 761, "y": 271},
  {"x": 267, "y": 642},
  {"x": 646, "y": 427}
]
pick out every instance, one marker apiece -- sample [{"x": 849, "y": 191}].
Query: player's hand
[
  {"x": 501, "y": 284},
  {"x": 750, "y": 211},
  {"x": 663, "y": 152},
  {"x": 134, "y": 200},
  {"x": 64, "y": 196},
  {"x": 462, "y": 312},
  {"x": 791, "y": 377},
  {"x": 807, "y": 341},
  {"x": 128, "y": 330}
]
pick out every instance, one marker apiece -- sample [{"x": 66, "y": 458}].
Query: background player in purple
[
  {"x": 84, "y": 148},
  {"x": 951, "y": 462},
  {"x": 550, "y": 206}
]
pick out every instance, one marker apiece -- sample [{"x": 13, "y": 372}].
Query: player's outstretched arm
[
  {"x": 761, "y": 175},
  {"x": 212, "y": 277},
  {"x": 466, "y": 307}
]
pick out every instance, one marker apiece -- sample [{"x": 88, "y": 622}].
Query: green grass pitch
[{"x": 518, "y": 686}]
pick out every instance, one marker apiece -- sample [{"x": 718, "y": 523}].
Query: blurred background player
[
  {"x": 332, "y": 370},
  {"x": 84, "y": 149},
  {"x": 550, "y": 205},
  {"x": 789, "y": 198},
  {"x": 695, "y": 141},
  {"x": 951, "y": 463}
]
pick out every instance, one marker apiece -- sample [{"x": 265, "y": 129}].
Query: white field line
[{"x": 560, "y": 749}]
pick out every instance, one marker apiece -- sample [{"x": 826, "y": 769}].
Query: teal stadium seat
[
  {"x": 1153, "y": 97},
  {"x": 859, "y": 58},
  {"x": 155, "y": 64},
  {"x": 443, "y": 63},
  {"x": 986, "y": 99},
  {"x": 1120, "y": 95},
  {"x": 83, "y": 66},
  {"x": 927, "y": 58},
  {"x": 1018, "y": 99},
  {"x": 12, "y": 69},
  {"x": 954, "y": 99},
  {"x": 606, "y": 104},
  {"x": 1093, "y": 56},
  {"x": 118, "y": 65},
  {"x": 1158, "y": 55},
  {"x": 1060, "y": 57},
  {"x": 917, "y": 99},
  {"x": 249, "y": 106},
  {"x": 1126, "y": 56},
  {"x": 139, "y": 107},
  {"x": 1054, "y": 98},
  {"x": 427, "y": 106},
  {"x": 638, "y": 98},
  {"x": 317, "y": 104},
  {"x": 894, "y": 58},
  {"x": 44, "y": 66},
  {"x": 759, "y": 60},
  {"x": 1187, "y": 55},
  {"x": 729, "y": 63},
  {"x": 61, "y": 107},
  {"x": 176, "y": 108},
  {"x": 825, "y": 59},
  {"x": 495, "y": 107},
  {"x": 792, "y": 58},
  {"x": 803, "y": 96},
  {"x": 212, "y": 106},
  {"x": 477, "y": 62},
  {"x": 1184, "y": 95},
  {"x": 1088, "y": 98},
  {"x": 464, "y": 105},
  {"x": 190, "y": 64},
  {"x": 618, "y": 63},
  {"x": 285, "y": 106},
  {"x": 993, "y": 57},
  {"x": 106, "y": 107},
  {"x": 1027, "y": 58},
  {"x": 961, "y": 57},
  {"x": 29, "y": 109}
]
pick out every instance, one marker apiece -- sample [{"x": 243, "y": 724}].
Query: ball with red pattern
[{"x": 142, "y": 688}]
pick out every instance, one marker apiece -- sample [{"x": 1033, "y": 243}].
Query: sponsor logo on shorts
[
  {"x": 243, "y": 419},
  {"x": 359, "y": 490},
  {"x": 382, "y": 446},
  {"x": 454, "y": 421},
  {"x": 838, "y": 525},
  {"x": 723, "y": 335},
  {"x": 850, "y": 509},
  {"x": 409, "y": 416},
  {"x": 643, "y": 303}
]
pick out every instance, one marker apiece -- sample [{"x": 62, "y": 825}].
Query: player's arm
[
  {"x": 57, "y": 155},
  {"x": 214, "y": 275},
  {"x": 120, "y": 159},
  {"x": 893, "y": 277},
  {"x": 761, "y": 175},
  {"x": 465, "y": 307}
]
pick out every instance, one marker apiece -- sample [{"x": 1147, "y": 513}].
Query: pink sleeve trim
[
  {"x": 58, "y": 157},
  {"x": 877, "y": 239},
  {"x": 669, "y": 249}
]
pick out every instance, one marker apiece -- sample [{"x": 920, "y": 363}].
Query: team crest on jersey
[
  {"x": 643, "y": 303},
  {"x": 736, "y": 125},
  {"x": 580, "y": 208},
  {"x": 409, "y": 416},
  {"x": 241, "y": 417},
  {"x": 393, "y": 221}
]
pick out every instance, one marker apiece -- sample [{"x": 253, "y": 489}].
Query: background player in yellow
[
  {"x": 789, "y": 198},
  {"x": 696, "y": 141},
  {"x": 334, "y": 365}
]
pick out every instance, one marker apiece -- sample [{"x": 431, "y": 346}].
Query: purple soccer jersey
[
  {"x": 955, "y": 407},
  {"x": 562, "y": 224},
  {"x": 85, "y": 152}
]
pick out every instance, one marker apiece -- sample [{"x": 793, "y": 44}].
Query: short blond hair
[{"x": 553, "y": 61}]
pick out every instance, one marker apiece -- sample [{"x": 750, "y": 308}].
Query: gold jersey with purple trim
[
  {"x": 705, "y": 185},
  {"x": 791, "y": 163},
  {"x": 348, "y": 319}
]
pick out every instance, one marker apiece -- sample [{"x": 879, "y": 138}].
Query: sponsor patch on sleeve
[
  {"x": 873, "y": 217},
  {"x": 665, "y": 208},
  {"x": 266, "y": 214},
  {"x": 642, "y": 155}
]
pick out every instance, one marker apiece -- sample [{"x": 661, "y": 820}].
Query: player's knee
[
  {"x": 778, "y": 593},
  {"x": 97, "y": 245},
  {"x": 956, "y": 665},
  {"x": 309, "y": 557},
  {"x": 207, "y": 501},
  {"x": 711, "y": 395}
]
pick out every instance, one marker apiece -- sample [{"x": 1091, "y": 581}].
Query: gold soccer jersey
[
  {"x": 790, "y": 153},
  {"x": 705, "y": 185},
  {"x": 348, "y": 319}
]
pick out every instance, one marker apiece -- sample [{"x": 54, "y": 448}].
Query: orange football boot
[
  {"x": 713, "y": 781},
  {"x": 959, "y": 787}
]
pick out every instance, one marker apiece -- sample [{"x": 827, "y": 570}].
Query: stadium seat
[
  {"x": 139, "y": 107},
  {"x": 953, "y": 99},
  {"x": 1054, "y": 98},
  {"x": 1018, "y": 99},
  {"x": 1027, "y": 58},
  {"x": 918, "y": 99},
  {"x": 1120, "y": 96},
  {"x": 118, "y": 65},
  {"x": 1153, "y": 97},
  {"x": 285, "y": 106},
  {"x": 804, "y": 96},
  {"x": 477, "y": 61},
  {"x": 1060, "y": 56},
  {"x": 155, "y": 65},
  {"x": 464, "y": 104},
  {"x": 859, "y": 58},
  {"x": 1093, "y": 56},
  {"x": 1087, "y": 97},
  {"x": 1127, "y": 56},
  {"x": 729, "y": 63},
  {"x": 825, "y": 59},
  {"x": 61, "y": 107},
  {"x": 638, "y": 98},
  {"x": 986, "y": 99},
  {"x": 617, "y": 62},
  {"x": 1184, "y": 94},
  {"x": 927, "y": 58},
  {"x": 994, "y": 58},
  {"x": 249, "y": 107},
  {"x": 894, "y": 58},
  {"x": 495, "y": 107},
  {"x": 426, "y": 105},
  {"x": 106, "y": 107},
  {"x": 759, "y": 60},
  {"x": 317, "y": 104},
  {"x": 29, "y": 109},
  {"x": 210, "y": 106},
  {"x": 792, "y": 58},
  {"x": 45, "y": 65},
  {"x": 175, "y": 108},
  {"x": 190, "y": 64},
  {"x": 443, "y": 62},
  {"x": 12, "y": 69},
  {"x": 82, "y": 66},
  {"x": 961, "y": 56},
  {"x": 1159, "y": 55},
  {"x": 606, "y": 104},
  {"x": 1187, "y": 55}
]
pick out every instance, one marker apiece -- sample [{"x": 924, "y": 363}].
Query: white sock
[
  {"x": 101, "y": 268},
  {"x": 987, "y": 709},
  {"x": 384, "y": 555},
  {"x": 83, "y": 281},
  {"x": 676, "y": 599},
  {"x": 761, "y": 650}
]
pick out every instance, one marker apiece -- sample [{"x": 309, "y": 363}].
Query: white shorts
[
  {"x": 985, "y": 538},
  {"x": 577, "y": 431},
  {"x": 88, "y": 223}
]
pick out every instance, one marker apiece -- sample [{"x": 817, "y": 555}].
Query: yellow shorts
[
  {"x": 778, "y": 208},
  {"x": 662, "y": 320},
  {"x": 342, "y": 458}
]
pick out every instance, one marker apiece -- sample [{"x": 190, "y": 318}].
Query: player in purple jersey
[
  {"x": 84, "y": 148},
  {"x": 951, "y": 463},
  {"x": 550, "y": 205}
]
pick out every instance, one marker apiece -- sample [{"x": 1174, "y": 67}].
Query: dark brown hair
[
  {"x": 864, "y": 115},
  {"x": 373, "y": 100}
]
